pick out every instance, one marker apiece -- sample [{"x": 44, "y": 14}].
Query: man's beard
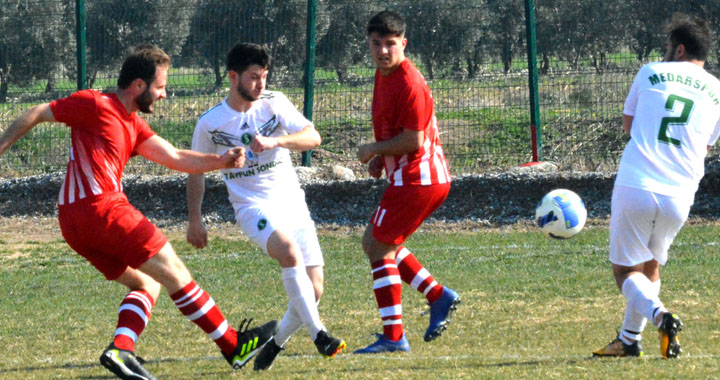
[
  {"x": 145, "y": 101},
  {"x": 245, "y": 94}
]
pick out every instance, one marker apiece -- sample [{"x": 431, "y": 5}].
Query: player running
[
  {"x": 672, "y": 114},
  {"x": 98, "y": 223},
  {"x": 408, "y": 148},
  {"x": 269, "y": 204}
]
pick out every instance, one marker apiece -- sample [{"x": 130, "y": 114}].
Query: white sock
[
  {"x": 641, "y": 295},
  {"x": 289, "y": 324},
  {"x": 634, "y": 323},
  {"x": 301, "y": 294}
]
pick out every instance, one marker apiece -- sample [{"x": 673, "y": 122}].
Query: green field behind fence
[
  {"x": 532, "y": 308},
  {"x": 474, "y": 55}
]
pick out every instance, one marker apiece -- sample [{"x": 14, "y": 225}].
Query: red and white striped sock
[
  {"x": 414, "y": 274},
  {"x": 133, "y": 316},
  {"x": 197, "y": 306},
  {"x": 388, "y": 292}
]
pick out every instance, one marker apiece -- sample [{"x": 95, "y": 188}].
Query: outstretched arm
[
  {"x": 159, "y": 150},
  {"x": 307, "y": 138},
  {"x": 196, "y": 232},
  {"x": 24, "y": 123}
]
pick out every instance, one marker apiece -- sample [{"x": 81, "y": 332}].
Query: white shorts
[
  {"x": 643, "y": 224},
  {"x": 259, "y": 221}
]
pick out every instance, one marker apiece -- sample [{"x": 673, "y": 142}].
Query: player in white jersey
[
  {"x": 269, "y": 203},
  {"x": 672, "y": 114}
]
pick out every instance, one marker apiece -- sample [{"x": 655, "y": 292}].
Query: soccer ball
[{"x": 561, "y": 214}]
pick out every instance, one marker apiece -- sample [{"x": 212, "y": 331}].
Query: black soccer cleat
[
  {"x": 267, "y": 355},
  {"x": 670, "y": 326},
  {"x": 124, "y": 364},
  {"x": 249, "y": 342},
  {"x": 327, "y": 345}
]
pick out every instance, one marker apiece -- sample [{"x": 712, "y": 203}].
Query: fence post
[
  {"x": 309, "y": 69},
  {"x": 535, "y": 128},
  {"x": 80, "y": 41}
]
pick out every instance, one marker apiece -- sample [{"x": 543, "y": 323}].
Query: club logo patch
[
  {"x": 262, "y": 223},
  {"x": 246, "y": 139}
]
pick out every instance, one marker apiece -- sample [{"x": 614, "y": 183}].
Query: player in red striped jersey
[
  {"x": 408, "y": 148},
  {"x": 99, "y": 223}
]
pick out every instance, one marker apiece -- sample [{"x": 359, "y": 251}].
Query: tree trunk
[{"x": 3, "y": 89}]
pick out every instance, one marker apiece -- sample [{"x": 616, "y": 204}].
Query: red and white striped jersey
[
  {"x": 104, "y": 136},
  {"x": 402, "y": 100}
]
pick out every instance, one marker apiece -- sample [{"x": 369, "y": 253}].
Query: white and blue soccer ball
[{"x": 561, "y": 214}]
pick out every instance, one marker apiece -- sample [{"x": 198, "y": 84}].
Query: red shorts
[
  {"x": 110, "y": 233},
  {"x": 403, "y": 208}
]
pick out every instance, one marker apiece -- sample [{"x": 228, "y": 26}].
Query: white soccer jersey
[
  {"x": 676, "y": 110},
  {"x": 266, "y": 176}
]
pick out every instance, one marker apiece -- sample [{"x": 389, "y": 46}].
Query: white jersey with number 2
[
  {"x": 676, "y": 110},
  {"x": 268, "y": 176}
]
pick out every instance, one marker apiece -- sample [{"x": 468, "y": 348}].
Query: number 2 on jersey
[{"x": 682, "y": 119}]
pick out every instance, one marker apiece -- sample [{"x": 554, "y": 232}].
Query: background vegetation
[{"x": 473, "y": 54}]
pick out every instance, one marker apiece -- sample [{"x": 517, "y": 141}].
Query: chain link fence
[{"x": 473, "y": 53}]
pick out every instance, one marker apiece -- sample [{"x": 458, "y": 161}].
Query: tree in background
[
  {"x": 23, "y": 54},
  {"x": 342, "y": 41},
  {"x": 114, "y": 26}
]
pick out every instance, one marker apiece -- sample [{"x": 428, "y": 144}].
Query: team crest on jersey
[
  {"x": 269, "y": 127},
  {"x": 246, "y": 138},
  {"x": 225, "y": 139},
  {"x": 262, "y": 223}
]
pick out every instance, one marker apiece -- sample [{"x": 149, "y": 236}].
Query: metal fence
[{"x": 474, "y": 55}]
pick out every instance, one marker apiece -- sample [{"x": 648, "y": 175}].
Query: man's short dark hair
[
  {"x": 245, "y": 54},
  {"x": 142, "y": 63},
  {"x": 691, "y": 31},
  {"x": 386, "y": 23}
]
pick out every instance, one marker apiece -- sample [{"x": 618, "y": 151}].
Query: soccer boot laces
[{"x": 249, "y": 342}]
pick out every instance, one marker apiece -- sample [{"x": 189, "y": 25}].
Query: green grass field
[{"x": 533, "y": 308}]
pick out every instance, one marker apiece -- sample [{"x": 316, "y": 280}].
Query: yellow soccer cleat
[
  {"x": 670, "y": 326},
  {"x": 617, "y": 348}
]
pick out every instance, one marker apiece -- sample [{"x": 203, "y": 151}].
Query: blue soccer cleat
[
  {"x": 440, "y": 312},
  {"x": 383, "y": 344}
]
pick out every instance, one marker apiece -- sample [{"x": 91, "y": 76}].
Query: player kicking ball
[
  {"x": 672, "y": 114},
  {"x": 408, "y": 148},
  {"x": 269, "y": 203},
  {"x": 98, "y": 223}
]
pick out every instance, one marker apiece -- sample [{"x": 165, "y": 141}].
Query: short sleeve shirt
[
  {"x": 104, "y": 137},
  {"x": 676, "y": 116},
  {"x": 266, "y": 176},
  {"x": 402, "y": 100}
]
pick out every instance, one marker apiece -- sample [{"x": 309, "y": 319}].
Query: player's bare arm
[
  {"x": 307, "y": 138},
  {"x": 196, "y": 233},
  {"x": 407, "y": 141},
  {"x": 24, "y": 123},
  {"x": 627, "y": 123},
  {"x": 159, "y": 150}
]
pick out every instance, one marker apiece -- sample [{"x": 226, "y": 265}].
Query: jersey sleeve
[
  {"x": 413, "y": 109},
  {"x": 288, "y": 115},
  {"x": 75, "y": 109},
  {"x": 201, "y": 141},
  {"x": 144, "y": 131},
  {"x": 716, "y": 133},
  {"x": 632, "y": 98}
]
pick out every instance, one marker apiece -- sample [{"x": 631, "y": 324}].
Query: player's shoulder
[
  {"x": 273, "y": 97},
  {"x": 216, "y": 112}
]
